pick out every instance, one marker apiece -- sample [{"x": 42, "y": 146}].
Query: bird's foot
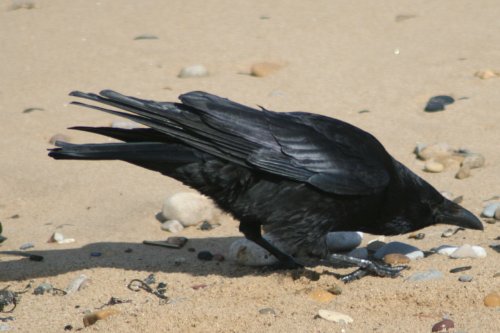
[{"x": 366, "y": 267}]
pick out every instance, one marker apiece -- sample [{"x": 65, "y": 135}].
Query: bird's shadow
[{"x": 128, "y": 256}]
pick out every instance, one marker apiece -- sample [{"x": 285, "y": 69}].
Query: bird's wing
[{"x": 329, "y": 154}]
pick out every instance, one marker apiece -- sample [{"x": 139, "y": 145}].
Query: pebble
[
  {"x": 433, "y": 166},
  {"x": 77, "y": 284},
  {"x": 59, "y": 137},
  {"x": 432, "y": 274},
  {"x": 95, "y": 254},
  {"x": 343, "y": 241},
  {"x": 443, "y": 325},
  {"x": 219, "y": 257},
  {"x": 448, "y": 233},
  {"x": 26, "y": 246},
  {"x": 360, "y": 253},
  {"x": 374, "y": 245},
  {"x": 43, "y": 288},
  {"x": 58, "y": 238},
  {"x": 92, "y": 318},
  {"x": 445, "y": 249},
  {"x": 262, "y": 69},
  {"x": 396, "y": 259},
  {"x": 463, "y": 172},
  {"x": 438, "y": 103},
  {"x": 465, "y": 278},
  {"x": 487, "y": 74},
  {"x": 205, "y": 226},
  {"x": 468, "y": 251},
  {"x": 434, "y": 151},
  {"x": 205, "y": 255},
  {"x": 150, "y": 279},
  {"x": 4, "y": 327},
  {"x": 172, "y": 226},
  {"x": 68, "y": 327},
  {"x": 497, "y": 213},
  {"x": 460, "y": 269},
  {"x": 490, "y": 209},
  {"x": 190, "y": 208},
  {"x": 418, "y": 236},
  {"x": 193, "y": 71},
  {"x": 145, "y": 36},
  {"x": 264, "y": 311},
  {"x": 473, "y": 160},
  {"x": 247, "y": 253},
  {"x": 335, "y": 316},
  {"x": 321, "y": 295},
  {"x": 22, "y": 4},
  {"x": 410, "y": 251},
  {"x": 492, "y": 299}
]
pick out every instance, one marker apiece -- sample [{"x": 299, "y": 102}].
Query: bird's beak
[{"x": 452, "y": 213}]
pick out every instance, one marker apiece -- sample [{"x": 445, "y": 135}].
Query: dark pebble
[
  {"x": 129, "y": 250},
  {"x": 177, "y": 241},
  {"x": 219, "y": 257},
  {"x": 29, "y": 110},
  {"x": 460, "y": 269},
  {"x": 43, "y": 288},
  {"x": 191, "y": 249},
  {"x": 68, "y": 327},
  {"x": 437, "y": 103},
  {"x": 150, "y": 279},
  {"x": 205, "y": 255},
  {"x": 161, "y": 285},
  {"x": 444, "y": 324},
  {"x": 145, "y": 36},
  {"x": 95, "y": 254},
  {"x": 205, "y": 226}
]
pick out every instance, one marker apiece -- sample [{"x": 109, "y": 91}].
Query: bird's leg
[
  {"x": 366, "y": 267},
  {"x": 253, "y": 233}
]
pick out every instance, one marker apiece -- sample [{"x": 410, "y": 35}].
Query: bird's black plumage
[{"x": 298, "y": 175}]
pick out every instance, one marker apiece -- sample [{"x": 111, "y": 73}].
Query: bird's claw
[{"x": 366, "y": 267}]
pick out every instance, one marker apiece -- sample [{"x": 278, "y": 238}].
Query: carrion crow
[{"x": 296, "y": 175}]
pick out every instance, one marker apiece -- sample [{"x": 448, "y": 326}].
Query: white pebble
[
  {"x": 193, "y": 71},
  {"x": 433, "y": 166},
  {"x": 79, "y": 283},
  {"x": 401, "y": 248},
  {"x": 489, "y": 210},
  {"x": 445, "y": 249},
  {"x": 56, "y": 237},
  {"x": 247, "y": 253},
  {"x": 469, "y": 251},
  {"x": 335, "y": 316},
  {"x": 173, "y": 226},
  {"x": 343, "y": 241},
  {"x": 190, "y": 208}
]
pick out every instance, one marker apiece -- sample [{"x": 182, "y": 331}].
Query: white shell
[{"x": 335, "y": 316}]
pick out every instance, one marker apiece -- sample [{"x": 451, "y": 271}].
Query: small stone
[
  {"x": 172, "y": 226},
  {"x": 68, "y": 327},
  {"x": 418, "y": 236},
  {"x": 193, "y": 71},
  {"x": 410, "y": 251},
  {"x": 320, "y": 295},
  {"x": 473, "y": 160},
  {"x": 375, "y": 245},
  {"x": 179, "y": 261},
  {"x": 219, "y": 257},
  {"x": 199, "y": 286},
  {"x": 343, "y": 241},
  {"x": 490, "y": 209},
  {"x": 205, "y": 226},
  {"x": 43, "y": 288},
  {"x": 205, "y": 255},
  {"x": 77, "y": 284},
  {"x": 22, "y": 4},
  {"x": 487, "y": 74},
  {"x": 26, "y": 246},
  {"x": 177, "y": 242},
  {"x": 4, "y": 327},
  {"x": 433, "y": 166},
  {"x": 145, "y": 37},
  {"x": 438, "y": 103},
  {"x": 360, "y": 252},
  {"x": 445, "y": 249},
  {"x": 335, "y": 289},
  {"x": 59, "y": 137},
  {"x": 335, "y": 316},
  {"x": 262, "y": 69},
  {"x": 463, "y": 172},
  {"x": 396, "y": 259},
  {"x": 92, "y": 318},
  {"x": 492, "y": 299},
  {"x": 443, "y": 325},
  {"x": 468, "y": 251},
  {"x": 190, "y": 208},
  {"x": 497, "y": 274},
  {"x": 265, "y": 311},
  {"x": 150, "y": 279},
  {"x": 247, "y": 253},
  {"x": 460, "y": 269},
  {"x": 497, "y": 214},
  {"x": 434, "y": 151},
  {"x": 95, "y": 254},
  {"x": 56, "y": 237},
  {"x": 432, "y": 274},
  {"x": 448, "y": 233},
  {"x": 465, "y": 278}
]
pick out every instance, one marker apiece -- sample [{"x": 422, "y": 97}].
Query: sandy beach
[{"x": 336, "y": 58}]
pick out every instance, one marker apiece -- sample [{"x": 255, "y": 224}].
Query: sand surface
[{"x": 340, "y": 57}]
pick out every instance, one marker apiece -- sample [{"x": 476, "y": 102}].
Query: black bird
[{"x": 296, "y": 175}]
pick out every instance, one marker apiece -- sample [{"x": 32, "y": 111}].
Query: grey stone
[
  {"x": 432, "y": 274},
  {"x": 399, "y": 247},
  {"x": 465, "y": 278},
  {"x": 490, "y": 209},
  {"x": 343, "y": 241}
]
